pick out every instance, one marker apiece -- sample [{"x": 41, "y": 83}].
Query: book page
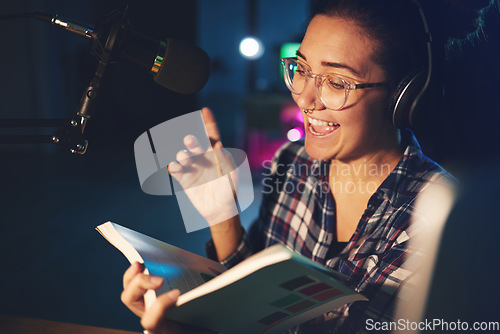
[
  {"x": 179, "y": 268},
  {"x": 270, "y": 299}
]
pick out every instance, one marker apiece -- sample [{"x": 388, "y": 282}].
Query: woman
[{"x": 355, "y": 177}]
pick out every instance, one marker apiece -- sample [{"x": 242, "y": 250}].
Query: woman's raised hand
[{"x": 200, "y": 173}]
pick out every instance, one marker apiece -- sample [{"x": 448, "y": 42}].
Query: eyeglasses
[{"x": 331, "y": 89}]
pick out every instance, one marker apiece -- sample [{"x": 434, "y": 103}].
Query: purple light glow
[
  {"x": 295, "y": 134},
  {"x": 298, "y": 115},
  {"x": 291, "y": 113}
]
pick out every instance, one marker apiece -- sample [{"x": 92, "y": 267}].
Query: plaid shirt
[{"x": 298, "y": 211}]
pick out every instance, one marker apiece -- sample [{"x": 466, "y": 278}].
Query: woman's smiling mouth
[{"x": 320, "y": 128}]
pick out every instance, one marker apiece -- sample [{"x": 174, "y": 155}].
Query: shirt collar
[
  {"x": 396, "y": 187},
  {"x": 321, "y": 168},
  {"x": 392, "y": 187}
]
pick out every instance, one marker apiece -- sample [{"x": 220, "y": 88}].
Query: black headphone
[{"x": 411, "y": 89}]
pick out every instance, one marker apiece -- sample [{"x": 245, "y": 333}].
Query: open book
[{"x": 270, "y": 291}]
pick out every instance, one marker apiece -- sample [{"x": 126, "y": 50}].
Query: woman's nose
[{"x": 308, "y": 97}]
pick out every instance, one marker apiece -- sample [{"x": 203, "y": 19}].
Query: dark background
[{"x": 55, "y": 265}]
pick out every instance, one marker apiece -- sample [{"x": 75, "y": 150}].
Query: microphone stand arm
[{"x": 71, "y": 134}]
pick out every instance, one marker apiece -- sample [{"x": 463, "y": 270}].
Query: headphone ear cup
[{"x": 406, "y": 98}]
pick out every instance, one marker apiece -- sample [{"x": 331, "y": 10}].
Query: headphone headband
[{"x": 412, "y": 88}]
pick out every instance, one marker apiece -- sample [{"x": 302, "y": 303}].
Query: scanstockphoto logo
[
  {"x": 341, "y": 178},
  {"x": 432, "y": 325},
  {"x": 211, "y": 184}
]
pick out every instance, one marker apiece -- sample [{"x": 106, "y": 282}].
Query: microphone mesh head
[{"x": 185, "y": 68}]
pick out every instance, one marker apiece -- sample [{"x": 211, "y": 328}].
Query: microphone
[{"x": 175, "y": 64}]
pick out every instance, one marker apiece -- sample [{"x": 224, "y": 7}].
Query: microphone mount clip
[{"x": 105, "y": 40}]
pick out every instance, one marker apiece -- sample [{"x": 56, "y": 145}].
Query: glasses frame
[{"x": 319, "y": 80}]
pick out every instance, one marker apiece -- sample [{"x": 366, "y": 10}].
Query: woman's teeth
[
  {"x": 321, "y": 128},
  {"x": 314, "y": 121}
]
